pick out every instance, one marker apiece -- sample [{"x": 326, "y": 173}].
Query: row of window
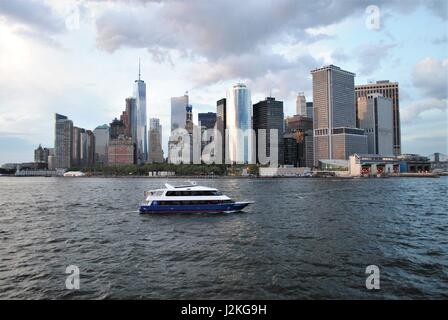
[
  {"x": 192, "y": 193},
  {"x": 190, "y": 202}
]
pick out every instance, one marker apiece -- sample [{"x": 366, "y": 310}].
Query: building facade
[
  {"x": 41, "y": 154},
  {"x": 375, "y": 116},
  {"x": 101, "y": 142},
  {"x": 309, "y": 110},
  {"x": 63, "y": 142},
  {"x": 207, "y": 120},
  {"x": 221, "y": 128},
  {"x": 301, "y": 128},
  {"x": 388, "y": 90},
  {"x": 239, "y": 125},
  {"x": 334, "y": 122},
  {"x": 155, "y": 141},
  {"x": 268, "y": 114},
  {"x": 121, "y": 151}
]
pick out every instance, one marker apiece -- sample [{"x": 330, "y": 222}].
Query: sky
[{"x": 80, "y": 59}]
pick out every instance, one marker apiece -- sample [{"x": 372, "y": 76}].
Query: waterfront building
[
  {"x": 221, "y": 128},
  {"x": 388, "y": 90},
  {"x": 301, "y": 104},
  {"x": 268, "y": 115},
  {"x": 414, "y": 163},
  {"x": 63, "y": 141},
  {"x": 155, "y": 141},
  {"x": 84, "y": 147},
  {"x": 374, "y": 114},
  {"x": 41, "y": 154},
  {"x": 207, "y": 120},
  {"x": 101, "y": 142},
  {"x": 239, "y": 125},
  {"x": 290, "y": 147},
  {"x": 309, "y": 110},
  {"x": 178, "y": 109},
  {"x": 373, "y": 165},
  {"x": 301, "y": 128},
  {"x": 141, "y": 135},
  {"x": 334, "y": 122}
]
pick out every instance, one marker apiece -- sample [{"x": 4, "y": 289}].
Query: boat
[{"x": 189, "y": 198}]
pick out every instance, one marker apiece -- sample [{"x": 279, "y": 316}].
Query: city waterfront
[{"x": 301, "y": 239}]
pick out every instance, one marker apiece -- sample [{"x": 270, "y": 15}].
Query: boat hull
[{"x": 198, "y": 208}]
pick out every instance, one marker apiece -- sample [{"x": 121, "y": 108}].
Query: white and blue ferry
[{"x": 189, "y": 198}]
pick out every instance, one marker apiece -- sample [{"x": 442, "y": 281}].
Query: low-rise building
[{"x": 373, "y": 165}]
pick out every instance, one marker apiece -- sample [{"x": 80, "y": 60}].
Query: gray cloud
[
  {"x": 411, "y": 113},
  {"x": 431, "y": 76}
]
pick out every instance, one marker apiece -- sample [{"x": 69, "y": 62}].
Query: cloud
[
  {"x": 33, "y": 19},
  {"x": 413, "y": 112},
  {"x": 370, "y": 56},
  {"x": 431, "y": 76}
]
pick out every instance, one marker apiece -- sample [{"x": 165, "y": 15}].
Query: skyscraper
[
  {"x": 301, "y": 129},
  {"x": 221, "y": 127},
  {"x": 239, "y": 124},
  {"x": 178, "y": 109},
  {"x": 101, "y": 141},
  {"x": 63, "y": 142},
  {"x": 301, "y": 104},
  {"x": 155, "y": 141},
  {"x": 41, "y": 154},
  {"x": 334, "y": 123},
  {"x": 131, "y": 111},
  {"x": 76, "y": 146},
  {"x": 141, "y": 127},
  {"x": 388, "y": 90},
  {"x": 375, "y": 116},
  {"x": 309, "y": 110},
  {"x": 268, "y": 114}
]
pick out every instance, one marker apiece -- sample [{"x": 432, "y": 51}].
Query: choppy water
[{"x": 303, "y": 238}]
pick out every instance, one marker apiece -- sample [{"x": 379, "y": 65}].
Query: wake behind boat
[{"x": 189, "y": 198}]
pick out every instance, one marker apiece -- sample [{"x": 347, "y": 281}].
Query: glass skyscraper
[
  {"x": 239, "y": 124},
  {"x": 63, "y": 142},
  {"x": 141, "y": 128},
  {"x": 178, "y": 112}
]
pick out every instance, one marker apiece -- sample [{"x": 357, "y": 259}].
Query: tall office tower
[
  {"x": 41, "y": 154},
  {"x": 268, "y": 114},
  {"x": 221, "y": 127},
  {"x": 84, "y": 148},
  {"x": 239, "y": 124},
  {"x": 63, "y": 142},
  {"x": 141, "y": 130},
  {"x": 207, "y": 120},
  {"x": 301, "y": 104},
  {"x": 101, "y": 141},
  {"x": 90, "y": 148},
  {"x": 388, "y": 90},
  {"x": 76, "y": 146},
  {"x": 309, "y": 110},
  {"x": 155, "y": 141},
  {"x": 121, "y": 149},
  {"x": 375, "y": 116},
  {"x": 334, "y": 122},
  {"x": 301, "y": 128},
  {"x": 178, "y": 109},
  {"x": 131, "y": 112}
]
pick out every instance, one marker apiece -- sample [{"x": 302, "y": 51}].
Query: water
[{"x": 303, "y": 238}]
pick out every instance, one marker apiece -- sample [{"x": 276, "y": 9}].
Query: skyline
[{"x": 86, "y": 67}]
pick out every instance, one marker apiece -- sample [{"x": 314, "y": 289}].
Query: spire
[{"x": 139, "y": 73}]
